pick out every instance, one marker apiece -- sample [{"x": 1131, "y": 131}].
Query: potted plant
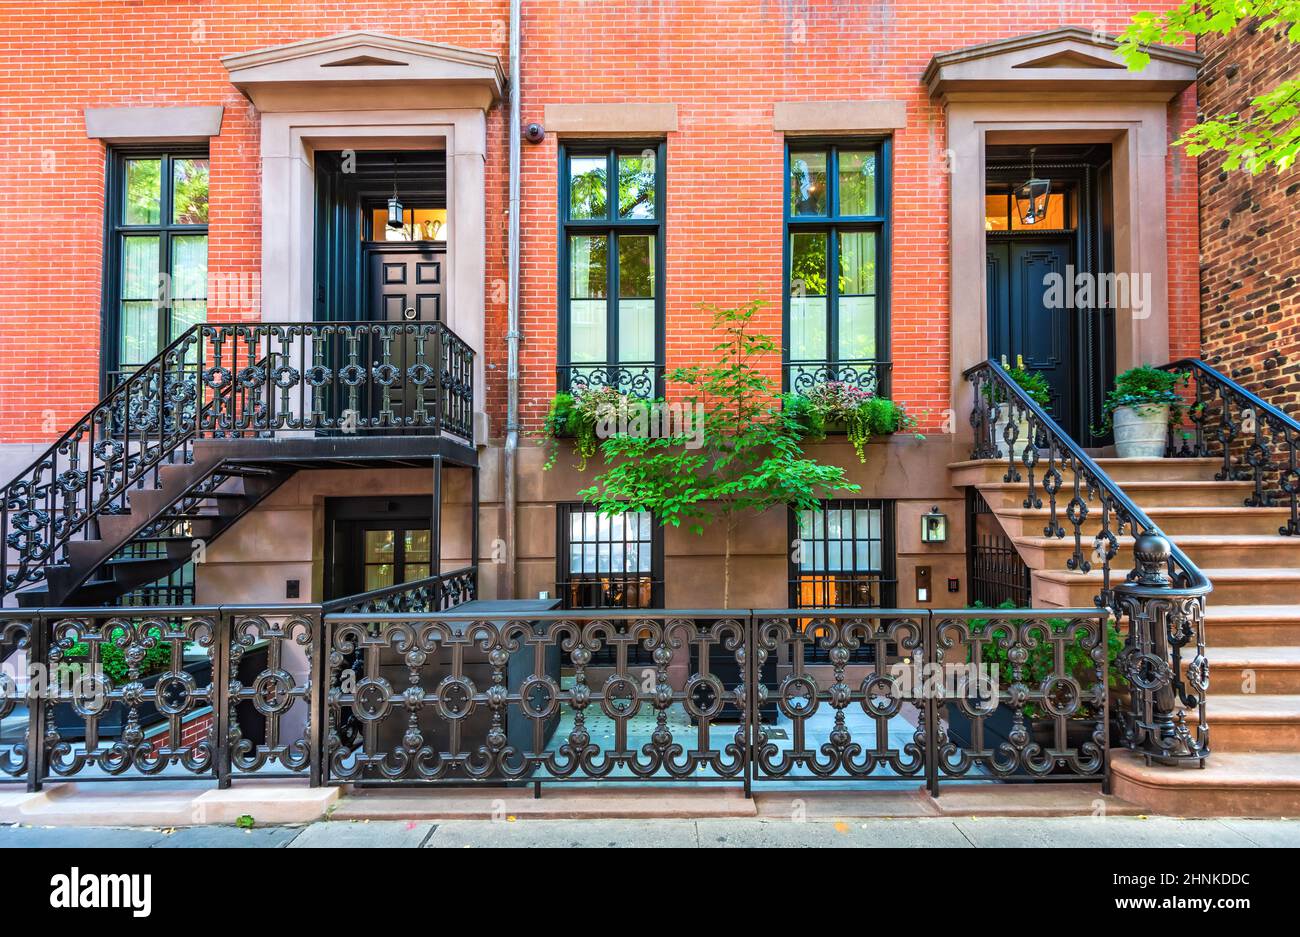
[
  {"x": 1141, "y": 408},
  {"x": 1037, "y": 667},
  {"x": 833, "y": 406},
  {"x": 1033, "y": 383}
]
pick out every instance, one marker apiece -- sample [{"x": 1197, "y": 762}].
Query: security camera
[{"x": 534, "y": 133}]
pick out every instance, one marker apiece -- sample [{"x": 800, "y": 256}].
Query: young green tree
[
  {"x": 744, "y": 458},
  {"x": 1268, "y": 134}
]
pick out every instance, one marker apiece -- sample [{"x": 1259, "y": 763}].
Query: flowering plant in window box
[
  {"x": 579, "y": 416},
  {"x": 832, "y": 406}
]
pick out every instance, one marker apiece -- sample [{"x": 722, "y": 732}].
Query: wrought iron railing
[
  {"x": 863, "y": 373},
  {"x": 1162, "y": 597},
  {"x": 436, "y": 593},
  {"x": 245, "y": 380},
  {"x": 1254, "y": 440},
  {"x": 642, "y": 380},
  {"x": 729, "y": 695}
]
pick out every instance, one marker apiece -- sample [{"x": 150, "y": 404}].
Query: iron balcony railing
[
  {"x": 865, "y": 374},
  {"x": 231, "y": 381},
  {"x": 1162, "y": 597},
  {"x": 728, "y": 696},
  {"x": 1254, "y": 439},
  {"x": 643, "y": 380}
]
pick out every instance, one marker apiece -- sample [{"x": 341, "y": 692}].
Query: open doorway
[
  {"x": 1043, "y": 303},
  {"x": 373, "y": 264}
]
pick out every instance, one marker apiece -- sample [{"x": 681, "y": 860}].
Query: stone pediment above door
[
  {"x": 366, "y": 71},
  {"x": 1066, "y": 60}
]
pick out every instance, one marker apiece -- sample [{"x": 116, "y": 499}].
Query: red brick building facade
[{"x": 727, "y": 88}]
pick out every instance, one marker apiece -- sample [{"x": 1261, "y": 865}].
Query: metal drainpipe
[{"x": 511, "y": 453}]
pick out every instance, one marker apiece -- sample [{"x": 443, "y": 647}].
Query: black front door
[
  {"x": 405, "y": 287},
  {"x": 1026, "y": 321}
]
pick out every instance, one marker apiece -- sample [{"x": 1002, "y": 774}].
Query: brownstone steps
[
  {"x": 1218, "y": 551},
  {"x": 1062, "y": 588},
  {"x": 1252, "y": 621},
  {"x": 1233, "y": 626},
  {"x": 1238, "y": 784}
]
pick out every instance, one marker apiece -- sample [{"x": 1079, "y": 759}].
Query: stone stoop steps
[{"x": 1252, "y": 622}]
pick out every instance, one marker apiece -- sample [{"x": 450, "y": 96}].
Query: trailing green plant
[
  {"x": 1039, "y": 663},
  {"x": 742, "y": 455},
  {"x": 156, "y": 659},
  {"x": 1033, "y": 383},
  {"x": 862, "y": 414},
  {"x": 1145, "y": 386},
  {"x": 579, "y": 417}
]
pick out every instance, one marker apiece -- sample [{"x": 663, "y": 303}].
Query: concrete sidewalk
[{"x": 735, "y": 833}]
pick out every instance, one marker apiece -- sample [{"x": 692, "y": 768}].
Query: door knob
[{"x": 409, "y": 313}]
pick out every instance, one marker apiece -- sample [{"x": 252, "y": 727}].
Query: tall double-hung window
[
  {"x": 611, "y": 268},
  {"x": 156, "y": 267},
  {"x": 836, "y": 264}
]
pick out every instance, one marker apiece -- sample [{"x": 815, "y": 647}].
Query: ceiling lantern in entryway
[
  {"x": 395, "y": 220},
  {"x": 1031, "y": 196}
]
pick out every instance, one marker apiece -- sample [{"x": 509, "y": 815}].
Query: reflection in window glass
[
  {"x": 190, "y": 191},
  {"x": 857, "y": 177},
  {"x": 587, "y": 187},
  {"x": 857, "y": 262},
  {"x": 143, "y": 191},
  {"x": 636, "y": 185},
  {"x": 808, "y": 183}
]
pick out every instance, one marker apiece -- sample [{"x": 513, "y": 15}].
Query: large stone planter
[
  {"x": 1141, "y": 431},
  {"x": 1000, "y": 424}
]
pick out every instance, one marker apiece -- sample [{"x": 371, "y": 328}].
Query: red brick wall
[
  {"x": 723, "y": 62},
  {"x": 1250, "y": 235}
]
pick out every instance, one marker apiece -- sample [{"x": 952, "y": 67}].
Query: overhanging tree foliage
[
  {"x": 744, "y": 458},
  {"x": 1266, "y": 135}
]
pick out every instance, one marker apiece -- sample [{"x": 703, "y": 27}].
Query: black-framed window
[
  {"x": 156, "y": 258},
  {"x": 837, "y": 263},
  {"x": 843, "y": 557},
  {"x": 611, "y": 267},
  {"x": 609, "y": 562}
]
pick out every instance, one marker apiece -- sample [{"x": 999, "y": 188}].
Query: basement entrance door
[{"x": 378, "y": 542}]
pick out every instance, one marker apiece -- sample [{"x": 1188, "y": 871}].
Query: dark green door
[{"x": 1027, "y": 320}]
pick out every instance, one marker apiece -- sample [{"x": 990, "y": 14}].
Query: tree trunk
[{"x": 726, "y": 571}]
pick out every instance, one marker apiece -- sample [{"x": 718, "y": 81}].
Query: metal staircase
[{"x": 186, "y": 445}]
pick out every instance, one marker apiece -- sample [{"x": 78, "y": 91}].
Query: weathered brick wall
[
  {"x": 723, "y": 62},
  {"x": 1250, "y": 231}
]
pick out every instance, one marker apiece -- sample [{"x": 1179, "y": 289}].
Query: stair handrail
[
  {"x": 1257, "y": 415},
  {"x": 1162, "y": 597},
  {"x": 430, "y": 594}
]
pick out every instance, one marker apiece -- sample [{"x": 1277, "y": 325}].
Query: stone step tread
[
  {"x": 1209, "y": 510},
  {"x": 1283, "y": 657},
  {"x": 1198, "y": 484},
  {"x": 1245, "y": 769},
  {"x": 1232, "y": 574},
  {"x": 1104, "y": 461},
  {"x": 1183, "y": 540},
  {"x": 1252, "y": 613},
  {"x": 1250, "y": 707}
]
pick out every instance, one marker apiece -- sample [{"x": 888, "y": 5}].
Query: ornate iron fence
[
  {"x": 1161, "y": 599},
  {"x": 866, "y": 374},
  {"x": 1254, "y": 440},
  {"x": 729, "y": 696}
]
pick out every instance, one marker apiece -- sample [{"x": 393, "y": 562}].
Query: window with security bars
[
  {"x": 843, "y": 557},
  {"x": 610, "y": 561}
]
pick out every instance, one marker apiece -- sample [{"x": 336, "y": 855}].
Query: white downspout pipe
[{"x": 511, "y": 453}]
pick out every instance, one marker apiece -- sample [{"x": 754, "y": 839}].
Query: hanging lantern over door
[
  {"x": 1031, "y": 196},
  {"x": 395, "y": 220}
]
